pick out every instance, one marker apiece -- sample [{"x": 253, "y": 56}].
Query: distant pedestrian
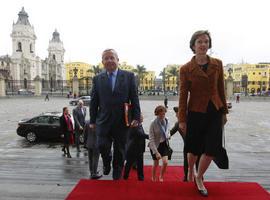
[
  {"x": 66, "y": 127},
  {"x": 47, "y": 97},
  {"x": 238, "y": 99},
  {"x": 166, "y": 102},
  {"x": 79, "y": 114}
]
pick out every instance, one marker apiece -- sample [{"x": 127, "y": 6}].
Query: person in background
[
  {"x": 237, "y": 98},
  {"x": 66, "y": 127},
  {"x": 47, "y": 97},
  {"x": 93, "y": 151},
  {"x": 202, "y": 116},
  {"x": 166, "y": 102},
  {"x": 158, "y": 142},
  {"x": 172, "y": 132},
  {"x": 79, "y": 114},
  {"x": 135, "y": 150}
]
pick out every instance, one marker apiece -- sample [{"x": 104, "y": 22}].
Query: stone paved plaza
[{"x": 39, "y": 171}]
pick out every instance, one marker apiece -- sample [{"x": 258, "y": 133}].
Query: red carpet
[
  {"x": 173, "y": 173},
  {"x": 170, "y": 189}
]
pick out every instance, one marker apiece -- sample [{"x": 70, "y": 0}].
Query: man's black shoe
[
  {"x": 125, "y": 176},
  {"x": 96, "y": 176},
  {"x": 106, "y": 170}
]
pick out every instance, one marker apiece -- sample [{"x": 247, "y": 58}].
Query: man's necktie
[{"x": 111, "y": 80}]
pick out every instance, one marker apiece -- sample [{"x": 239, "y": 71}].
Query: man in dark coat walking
[{"x": 111, "y": 89}]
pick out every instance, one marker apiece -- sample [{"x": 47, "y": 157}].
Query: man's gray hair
[
  {"x": 80, "y": 102},
  {"x": 111, "y": 50}
]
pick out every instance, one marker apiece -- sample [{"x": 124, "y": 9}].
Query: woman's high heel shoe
[{"x": 202, "y": 192}]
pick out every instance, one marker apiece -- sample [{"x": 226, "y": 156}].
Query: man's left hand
[
  {"x": 134, "y": 123},
  {"x": 224, "y": 119}
]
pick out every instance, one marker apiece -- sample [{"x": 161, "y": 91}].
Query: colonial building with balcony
[{"x": 252, "y": 78}]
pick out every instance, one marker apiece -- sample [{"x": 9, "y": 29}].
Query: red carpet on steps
[
  {"x": 172, "y": 188},
  {"x": 173, "y": 173}
]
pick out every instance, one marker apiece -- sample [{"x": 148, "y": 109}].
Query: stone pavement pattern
[{"x": 39, "y": 171}]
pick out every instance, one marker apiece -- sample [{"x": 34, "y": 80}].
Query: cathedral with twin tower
[{"x": 24, "y": 65}]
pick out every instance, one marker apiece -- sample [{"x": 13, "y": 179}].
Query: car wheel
[
  {"x": 74, "y": 103},
  {"x": 31, "y": 136},
  {"x": 81, "y": 139}
]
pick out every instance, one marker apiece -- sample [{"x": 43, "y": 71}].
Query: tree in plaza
[
  {"x": 173, "y": 71},
  {"x": 165, "y": 75},
  {"x": 96, "y": 69},
  {"x": 140, "y": 72}
]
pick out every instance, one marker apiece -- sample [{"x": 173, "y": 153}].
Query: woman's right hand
[
  {"x": 158, "y": 156},
  {"x": 183, "y": 127}
]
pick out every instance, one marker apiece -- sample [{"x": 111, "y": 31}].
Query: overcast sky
[{"x": 153, "y": 33}]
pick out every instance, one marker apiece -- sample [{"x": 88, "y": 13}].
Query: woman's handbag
[
  {"x": 222, "y": 160},
  {"x": 170, "y": 151}
]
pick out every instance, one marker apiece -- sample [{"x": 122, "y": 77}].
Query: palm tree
[
  {"x": 96, "y": 69},
  {"x": 140, "y": 73},
  {"x": 173, "y": 71},
  {"x": 165, "y": 75}
]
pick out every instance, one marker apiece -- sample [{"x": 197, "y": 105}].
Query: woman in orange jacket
[{"x": 202, "y": 107}]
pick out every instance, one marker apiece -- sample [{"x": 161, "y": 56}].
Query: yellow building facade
[
  {"x": 172, "y": 80},
  {"x": 257, "y": 77},
  {"x": 84, "y": 72},
  {"x": 148, "y": 81}
]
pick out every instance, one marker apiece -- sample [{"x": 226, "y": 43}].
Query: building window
[
  {"x": 253, "y": 73},
  {"x": 53, "y": 56},
  {"x": 19, "y": 47}
]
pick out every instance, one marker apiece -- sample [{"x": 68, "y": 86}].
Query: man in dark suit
[
  {"x": 111, "y": 89},
  {"x": 93, "y": 151},
  {"x": 79, "y": 114},
  {"x": 135, "y": 151}
]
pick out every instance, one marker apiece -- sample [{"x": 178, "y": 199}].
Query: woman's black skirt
[
  {"x": 162, "y": 149},
  {"x": 204, "y": 132}
]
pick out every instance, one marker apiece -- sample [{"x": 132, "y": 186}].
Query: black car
[
  {"x": 44, "y": 126},
  {"x": 85, "y": 99}
]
